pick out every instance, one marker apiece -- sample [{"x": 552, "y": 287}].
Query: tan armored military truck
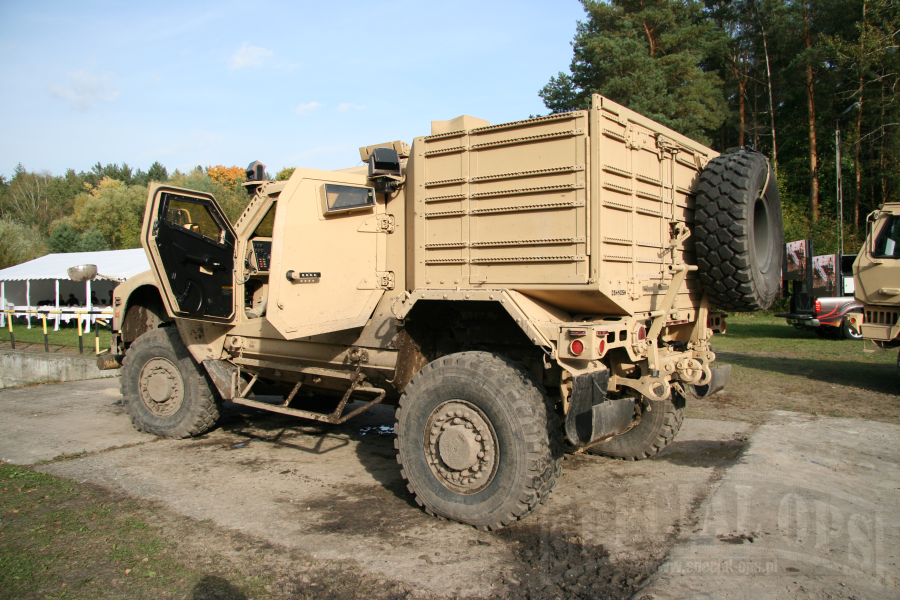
[
  {"x": 514, "y": 289},
  {"x": 876, "y": 275}
]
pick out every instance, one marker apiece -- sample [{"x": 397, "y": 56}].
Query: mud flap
[
  {"x": 720, "y": 376},
  {"x": 591, "y": 416},
  {"x": 220, "y": 373}
]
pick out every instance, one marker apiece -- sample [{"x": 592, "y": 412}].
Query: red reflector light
[
  {"x": 853, "y": 319},
  {"x": 818, "y": 307},
  {"x": 642, "y": 333},
  {"x": 601, "y": 347},
  {"x": 576, "y": 348}
]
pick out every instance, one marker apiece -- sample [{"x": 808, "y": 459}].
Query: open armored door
[
  {"x": 324, "y": 273},
  {"x": 191, "y": 246}
]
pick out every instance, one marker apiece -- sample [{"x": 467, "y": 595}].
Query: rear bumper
[{"x": 803, "y": 320}]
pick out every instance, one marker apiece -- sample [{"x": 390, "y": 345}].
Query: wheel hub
[
  {"x": 161, "y": 387},
  {"x": 460, "y": 446}
]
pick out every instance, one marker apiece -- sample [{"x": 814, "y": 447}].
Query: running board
[{"x": 335, "y": 418}]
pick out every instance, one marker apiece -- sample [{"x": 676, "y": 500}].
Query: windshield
[{"x": 888, "y": 243}]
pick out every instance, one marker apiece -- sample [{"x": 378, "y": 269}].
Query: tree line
[
  {"x": 778, "y": 76},
  {"x": 100, "y": 209}
]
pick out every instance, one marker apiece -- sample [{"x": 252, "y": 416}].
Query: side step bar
[
  {"x": 227, "y": 380},
  {"x": 334, "y": 418}
]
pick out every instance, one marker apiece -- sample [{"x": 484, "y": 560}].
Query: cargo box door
[
  {"x": 191, "y": 244},
  {"x": 325, "y": 274}
]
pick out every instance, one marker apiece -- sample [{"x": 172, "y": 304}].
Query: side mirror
[{"x": 82, "y": 273}]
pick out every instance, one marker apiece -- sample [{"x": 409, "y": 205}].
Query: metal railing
[{"x": 106, "y": 321}]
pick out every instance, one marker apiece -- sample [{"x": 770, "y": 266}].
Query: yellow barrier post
[
  {"x": 80, "y": 339},
  {"x": 46, "y": 341},
  {"x": 12, "y": 338},
  {"x": 96, "y": 337}
]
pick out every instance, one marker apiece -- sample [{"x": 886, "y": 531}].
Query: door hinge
[
  {"x": 386, "y": 280},
  {"x": 386, "y": 224},
  {"x": 380, "y": 280},
  {"x": 378, "y": 224}
]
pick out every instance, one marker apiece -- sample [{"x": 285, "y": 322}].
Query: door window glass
[
  {"x": 888, "y": 243},
  {"x": 194, "y": 217}
]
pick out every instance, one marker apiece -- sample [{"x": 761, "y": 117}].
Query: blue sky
[{"x": 286, "y": 83}]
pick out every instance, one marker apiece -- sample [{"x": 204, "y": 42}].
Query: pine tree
[{"x": 650, "y": 56}]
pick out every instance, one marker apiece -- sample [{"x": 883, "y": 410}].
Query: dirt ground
[
  {"x": 334, "y": 494},
  {"x": 314, "y": 510}
]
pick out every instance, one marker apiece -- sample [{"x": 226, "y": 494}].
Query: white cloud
[
  {"x": 348, "y": 106},
  {"x": 85, "y": 90},
  {"x": 156, "y": 79},
  {"x": 307, "y": 107},
  {"x": 248, "y": 56}
]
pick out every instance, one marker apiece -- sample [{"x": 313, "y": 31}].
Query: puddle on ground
[{"x": 377, "y": 430}]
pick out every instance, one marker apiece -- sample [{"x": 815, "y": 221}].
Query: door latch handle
[{"x": 305, "y": 276}]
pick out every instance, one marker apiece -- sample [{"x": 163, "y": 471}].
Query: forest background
[{"x": 778, "y": 76}]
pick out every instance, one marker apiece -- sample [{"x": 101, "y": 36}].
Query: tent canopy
[{"x": 120, "y": 264}]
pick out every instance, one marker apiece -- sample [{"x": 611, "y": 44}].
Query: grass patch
[
  {"x": 60, "y": 540},
  {"x": 66, "y": 336},
  {"x": 778, "y": 367}
]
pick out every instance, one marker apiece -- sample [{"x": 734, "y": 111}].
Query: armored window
[
  {"x": 887, "y": 245},
  {"x": 340, "y": 198}
]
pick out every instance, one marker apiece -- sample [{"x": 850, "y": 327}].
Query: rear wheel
[
  {"x": 659, "y": 424},
  {"x": 478, "y": 441},
  {"x": 166, "y": 393}
]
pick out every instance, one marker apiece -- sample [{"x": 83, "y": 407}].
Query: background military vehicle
[
  {"x": 513, "y": 288},
  {"x": 876, "y": 274}
]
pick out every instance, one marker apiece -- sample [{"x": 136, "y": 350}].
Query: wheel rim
[
  {"x": 461, "y": 447},
  {"x": 161, "y": 387},
  {"x": 761, "y": 234}
]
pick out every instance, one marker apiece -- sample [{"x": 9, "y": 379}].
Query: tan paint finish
[
  {"x": 148, "y": 242},
  {"x": 124, "y": 290},
  {"x": 585, "y": 210},
  {"x": 571, "y": 222},
  {"x": 305, "y": 239},
  {"x": 877, "y": 282}
]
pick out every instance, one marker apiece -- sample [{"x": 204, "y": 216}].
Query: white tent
[{"x": 44, "y": 281}]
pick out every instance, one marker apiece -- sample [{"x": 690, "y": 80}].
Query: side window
[
  {"x": 194, "y": 217},
  {"x": 341, "y": 198},
  {"x": 887, "y": 245}
]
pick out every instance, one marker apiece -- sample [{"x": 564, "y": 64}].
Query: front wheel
[
  {"x": 478, "y": 441},
  {"x": 165, "y": 392}
]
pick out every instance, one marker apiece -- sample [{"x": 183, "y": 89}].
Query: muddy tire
[
  {"x": 738, "y": 232},
  {"x": 655, "y": 431},
  {"x": 165, "y": 392},
  {"x": 477, "y": 440}
]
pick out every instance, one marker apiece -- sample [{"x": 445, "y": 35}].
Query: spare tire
[{"x": 738, "y": 232}]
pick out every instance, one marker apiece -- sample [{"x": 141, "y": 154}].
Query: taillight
[
  {"x": 642, "y": 333},
  {"x": 576, "y": 347},
  {"x": 601, "y": 348},
  {"x": 818, "y": 306}
]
